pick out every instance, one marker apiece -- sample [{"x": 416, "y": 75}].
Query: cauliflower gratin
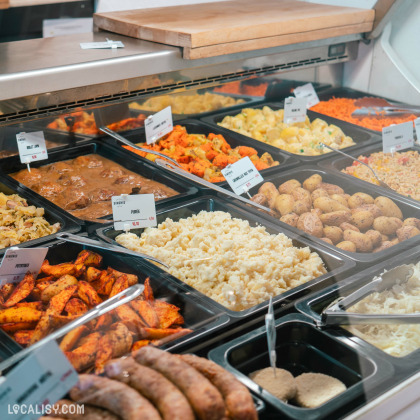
[
  {"x": 20, "y": 222},
  {"x": 237, "y": 265},
  {"x": 188, "y": 104},
  {"x": 302, "y": 138},
  {"x": 398, "y": 340}
]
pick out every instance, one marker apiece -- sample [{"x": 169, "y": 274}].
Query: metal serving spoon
[{"x": 381, "y": 183}]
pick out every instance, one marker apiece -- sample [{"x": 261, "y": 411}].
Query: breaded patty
[{"x": 282, "y": 385}]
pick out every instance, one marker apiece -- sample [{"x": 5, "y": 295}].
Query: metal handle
[
  {"x": 122, "y": 139},
  {"x": 330, "y": 317},
  {"x": 119, "y": 299},
  {"x": 68, "y": 237},
  {"x": 207, "y": 184}
]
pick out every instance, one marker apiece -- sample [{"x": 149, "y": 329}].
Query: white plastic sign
[
  {"x": 158, "y": 125},
  {"x": 307, "y": 91},
  {"x": 417, "y": 127},
  {"x": 30, "y": 389},
  {"x": 31, "y": 146},
  {"x": 294, "y": 110},
  {"x": 242, "y": 175},
  {"x": 18, "y": 261},
  {"x": 397, "y": 137},
  {"x": 101, "y": 45},
  {"x": 134, "y": 211}
]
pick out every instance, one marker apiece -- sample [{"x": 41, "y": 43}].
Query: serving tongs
[
  {"x": 123, "y": 140},
  {"x": 381, "y": 183},
  {"x": 119, "y": 299},
  {"x": 207, "y": 184},
  {"x": 336, "y": 314},
  {"x": 68, "y": 237},
  {"x": 385, "y": 111}
]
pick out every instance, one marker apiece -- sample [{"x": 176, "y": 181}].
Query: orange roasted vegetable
[
  {"x": 22, "y": 291},
  {"x": 148, "y": 292},
  {"x": 13, "y": 315},
  {"x": 17, "y": 326},
  {"x": 167, "y": 313},
  {"x": 132, "y": 278},
  {"x": 59, "y": 301},
  {"x": 104, "y": 285},
  {"x": 6, "y": 290},
  {"x": 119, "y": 285},
  {"x": 58, "y": 270},
  {"x": 75, "y": 306},
  {"x": 58, "y": 286},
  {"x": 158, "y": 333},
  {"x": 146, "y": 312},
  {"x": 92, "y": 274},
  {"x": 129, "y": 318},
  {"x": 83, "y": 356},
  {"x": 23, "y": 337},
  {"x": 88, "y": 294},
  {"x": 139, "y": 344},
  {"x": 72, "y": 337},
  {"x": 89, "y": 258},
  {"x": 38, "y": 305}
]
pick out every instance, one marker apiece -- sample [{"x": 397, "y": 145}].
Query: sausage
[
  {"x": 166, "y": 397},
  {"x": 205, "y": 399},
  {"x": 115, "y": 396},
  {"x": 73, "y": 411},
  {"x": 238, "y": 400}
]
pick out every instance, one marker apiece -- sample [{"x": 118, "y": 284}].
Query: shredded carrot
[
  {"x": 203, "y": 156},
  {"x": 342, "y": 108}
]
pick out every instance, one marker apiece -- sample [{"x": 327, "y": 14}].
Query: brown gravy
[{"x": 84, "y": 186}]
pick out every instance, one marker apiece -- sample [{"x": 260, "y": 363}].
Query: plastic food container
[
  {"x": 350, "y": 186},
  {"x": 53, "y": 214},
  {"x": 341, "y": 162},
  {"x": 301, "y": 348},
  {"x": 198, "y": 127},
  {"x": 336, "y": 265},
  {"x": 199, "y": 315},
  {"x": 359, "y": 135},
  {"x": 314, "y": 304},
  {"x": 118, "y": 155}
]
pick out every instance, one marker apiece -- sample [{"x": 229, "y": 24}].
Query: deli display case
[{"x": 185, "y": 298}]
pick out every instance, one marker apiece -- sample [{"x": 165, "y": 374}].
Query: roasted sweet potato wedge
[
  {"x": 60, "y": 300},
  {"x": 92, "y": 274},
  {"x": 13, "y": 315},
  {"x": 58, "y": 270},
  {"x": 21, "y": 291},
  {"x": 34, "y": 305},
  {"x": 146, "y": 312},
  {"x": 71, "y": 338},
  {"x": 148, "y": 292},
  {"x": 6, "y": 290},
  {"x": 104, "y": 285},
  {"x": 158, "y": 333},
  {"x": 132, "y": 278},
  {"x": 129, "y": 318},
  {"x": 84, "y": 356},
  {"x": 17, "y": 326},
  {"x": 167, "y": 313},
  {"x": 23, "y": 337},
  {"x": 119, "y": 285},
  {"x": 75, "y": 306},
  {"x": 89, "y": 258},
  {"x": 104, "y": 321},
  {"x": 57, "y": 286},
  {"x": 88, "y": 294},
  {"x": 139, "y": 344}
]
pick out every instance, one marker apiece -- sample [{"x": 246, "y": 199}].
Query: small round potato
[
  {"x": 327, "y": 240},
  {"x": 347, "y": 246},
  {"x": 384, "y": 245},
  {"x": 310, "y": 223},
  {"x": 407, "y": 232},
  {"x": 344, "y": 226},
  {"x": 312, "y": 183},
  {"x": 363, "y": 242},
  {"x": 334, "y": 233},
  {"x": 319, "y": 192},
  {"x": 301, "y": 206},
  {"x": 291, "y": 219},
  {"x": 335, "y": 218},
  {"x": 327, "y": 205},
  {"x": 300, "y": 194},
  {"x": 388, "y": 207},
  {"x": 259, "y": 199},
  {"x": 412, "y": 221},
  {"x": 362, "y": 220},
  {"x": 358, "y": 199},
  {"x": 373, "y": 208},
  {"x": 375, "y": 237},
  {"x": 284, "y": 204},
  {"x": 387, "y": 225},
  {"x": 341, "y": 198},
  {"x": 289, "y": 186},
  {"x": 270, "y": 191},
  {"x": 331, "y": 188}
]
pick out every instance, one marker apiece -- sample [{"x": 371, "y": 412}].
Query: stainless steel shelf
[{"x": 52, "y": 74}]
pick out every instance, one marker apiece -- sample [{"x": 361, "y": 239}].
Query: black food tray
[
  {"x": 301, "y": 348},
  {"x": 335, "y": 264},
  {"x": 359, "y": 135},
  {"x": 248, "y": 101},
  {"x": 53, "y": 214},
  {"x": 198, "y": 127},
  {"x": 350, "y": 187},
  {"x": 116, "y": 154},
  {"x": 341, "y": 162},
  {"x": 280, "y": 89},
  {"x": 8, "y": 141},
  {"x": 199, "y": 314},
  {"x": 314, "y": 304}
]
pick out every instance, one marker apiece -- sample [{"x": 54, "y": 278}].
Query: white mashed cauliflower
[
  {"x": 225, "y": 258},
  {"x": 395, "y": 339}
]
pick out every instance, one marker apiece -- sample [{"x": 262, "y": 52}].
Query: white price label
[
  {"x": 397, "y": 137},
  {"x": 307, "y": 91},
  {"x": 294, "y": 110},
  {"x": 101, "y": 45},
  {"x": 242, "y": 175},
  {"x": 134, "y": 211},
  {"x": 417, "y": 126},
  {"x": 158, "y": 125},
  {"x": 18, "y": 261},
  {"x": 36, "y": 383},
  {"x": 31, "y": 146}
]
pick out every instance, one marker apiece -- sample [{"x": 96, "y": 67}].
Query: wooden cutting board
[{"x": 227, "y": 22}]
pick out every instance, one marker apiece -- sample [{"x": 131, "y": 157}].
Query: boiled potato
[
  {"x": 359, "y": 199},
  {"x": 375, "y": 237},
  {"x": 300, "y": 194},
  {"x": 388, "y": 207},
  {"x": 318, "y": 212},
  {"x": 327, "y": 240},
  {"x": 412, "y": 221},
  {"x": 331, "y": 188},
  {"x": 387, "y": 225},
  {"x": 344, "y": 226},
  {"x": 312, "y": 183},
  {"x": 310, "y": 223},
  {"x": 270, "y": 191},
  {"x": 341, "y": 198},
  {"x": 327, "y": 205},
  {"x": 363, "y": 242},
  {"x": 291, "y": 219},
  {"x": 335, "y": 218},
  {"x": 289, "y": 186},
  {"x": 373, "y": 208},
  {"x": 334, "y": 233},
  {"x": 384, "y": 245},
  {"x": 362, "y": 219},
  {"x": 347, "y": 246},
  {"x": 284, "y": 204},
  {"x": 301, "y": 206},
  {"x": 260, "y": 199},
  {"x": 318, "y": 193},
  {"x": 407, "y": 232}
]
